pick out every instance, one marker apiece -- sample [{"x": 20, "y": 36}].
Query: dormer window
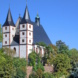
[
  {"x": 23, "y": 26},
  {"x": 29, "y": 26},
  {"x": 22, "y": 33},
  {"x": 5, "y": 28}
]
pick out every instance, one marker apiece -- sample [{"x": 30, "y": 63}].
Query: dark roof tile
[{"x": 9, "y": 20}]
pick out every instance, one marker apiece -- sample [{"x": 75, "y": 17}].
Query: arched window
[{"x": 14, "y": 49}]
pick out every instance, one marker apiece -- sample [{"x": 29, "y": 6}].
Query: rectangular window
[
  {"x": 29, "y": 41},
  {"x": 22, "y": 33},
  {"x": 5, "y": 35},
  {"x": 22, "y": 40},
  {"x": 5, "y": 42},
  {"x": 5, "y": 28},
  {"x": 30, "y": 34},
  {"x": 12, "y": 35},
  {"x": 12, "y": 28},
  {"x": 23, "y": 26},
  {"x": 29, "y": 26}
]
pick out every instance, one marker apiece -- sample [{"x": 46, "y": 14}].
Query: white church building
[{"x": 23, "y": 36}]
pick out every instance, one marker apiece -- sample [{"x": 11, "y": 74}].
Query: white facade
[
  {"x": 20, "y": 37},
  {"x": 22, "y": 51},
  {"x": 25, "y": 46},
  {"x": 17, "y": 50}
]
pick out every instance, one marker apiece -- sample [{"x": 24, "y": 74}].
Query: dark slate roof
[
  {"x": 16, "y": 38},
  {"x": 18, "y": 22},
  {"x": 26, "y": 17},
  {"x": 40, "y": 35},
  {"x": 9, "y": 20}
]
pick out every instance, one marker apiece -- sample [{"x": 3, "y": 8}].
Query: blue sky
[{"x": 58, "y": 17}]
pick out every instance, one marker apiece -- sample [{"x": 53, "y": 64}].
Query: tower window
[
  {"x": 23, "y": 26},
  {"x": 22, "y": 40},
  {"x": 22, "y": 33},
  {"x": 12, "y": 28},
  {"x": 5, "y": 35},
  {"x": 5, "y": 28},
  {"x": 29, "y": 26},
  {"x": 29, "y": 41},
  {"x": 30, "y": 34},
  {"x": 12, "y": 35},
  {"x": 5, "y": 42},
  {"x": 14, "y": 49}
]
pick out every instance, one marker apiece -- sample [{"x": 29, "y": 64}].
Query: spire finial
[
  {"x": 19, "y": 15},
  {"x": 37, "y": 15},
  {"x": 26, "y": 2},
  {"x": 9, "y": 5}
]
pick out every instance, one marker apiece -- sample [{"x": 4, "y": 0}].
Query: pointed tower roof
[
  {"x": 26, "y": 17},
  {"x": 37, "y": 16},
  {"x": 9, "y": 20},
  {"x": 26, "y": 14}
]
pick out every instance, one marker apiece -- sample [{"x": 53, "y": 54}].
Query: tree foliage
[
  {"x": 20, "y": 66},
  {"x": 11, "y": 67},
  {"x": 35, "y": 61},
  {"x": 62, "y": 47},
  {"x": 48, "y": 75},
  {"x": 62, "y": 64}
]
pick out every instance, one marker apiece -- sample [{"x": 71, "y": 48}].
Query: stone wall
[
  {"x": 29, "y": 71},
  {"x": 49, "y": 69}
]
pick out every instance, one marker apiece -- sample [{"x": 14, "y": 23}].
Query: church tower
[
  {"x": 37, "y": 20},
  {"x": 26, "y": 35},
  {"x": 8, "y": 30}
]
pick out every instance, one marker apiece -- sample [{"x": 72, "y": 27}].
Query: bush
[
  {"x": 39, "y": 73},
  {"x": 48, "y": 75},
  {"x": 33, "y": 75}
]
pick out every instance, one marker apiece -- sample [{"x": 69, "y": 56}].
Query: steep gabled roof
[
  {"x": 9, "y": 20},
  {"x": 39, "y": 35},
  {"x": 18, "y": 22}
]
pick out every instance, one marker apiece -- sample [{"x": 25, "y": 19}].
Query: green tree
[
  {"x": 41, "y": 44},
  {"x": 48, "y": 75},
  {"x": 32, "y": 58},
  {"x": 6, "y": 66},
  {"x": 73, "y": 54},
  {"x": 33, "y": 75},
  {"x": 62, "y": 47},
  {"x": 61, "y": 65},
  {"x": 47, "y": 54},
  {"x": 11, "y": 67},
  {"x": 20, "y": 66},
  {"x": 35, "y": 61},
  {"x": 49, "y": 50}
]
